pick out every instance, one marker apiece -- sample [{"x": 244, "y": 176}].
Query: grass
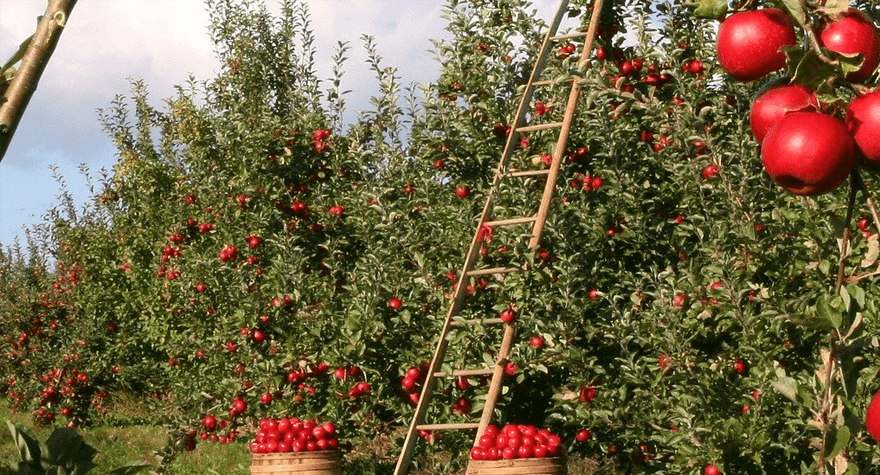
[{"x": 126, "y": 443}]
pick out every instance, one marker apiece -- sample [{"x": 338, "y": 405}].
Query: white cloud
[{"x": 162, "y": 42}]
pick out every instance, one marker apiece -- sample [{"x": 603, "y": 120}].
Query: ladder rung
[
  {"x": 527, "y": 173},
  {"x": 550, "y": 82},
  {"x": 532, "y": 128},
  {"x": 477, "y": 321},
  {"x": 511, "y": 221},
  {"x": 466, "y": 372},
  {"x": 493, "y": 270},
  {"x": 454, "y": 425},
  {"x": 569, "y": 36}
]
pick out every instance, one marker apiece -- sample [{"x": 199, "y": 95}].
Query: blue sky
[{"x": 162, "y": 42}]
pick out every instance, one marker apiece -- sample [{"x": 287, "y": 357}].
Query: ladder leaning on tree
[{"x": 488, "y": 221}]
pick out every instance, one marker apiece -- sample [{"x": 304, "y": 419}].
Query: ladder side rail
[
  {"x": 559, "y": 151},
  {"x": 427, "y": 393},
  {"x": 460, "y": 294},
  {"x": 510, "y": 143},
  {"x": 495, "y": 386},
  {"x": 525, "y": 99},
  {"x": 509, "y": 146}
]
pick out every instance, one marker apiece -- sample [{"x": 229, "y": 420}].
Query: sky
[{"x": 162, "y": 42}]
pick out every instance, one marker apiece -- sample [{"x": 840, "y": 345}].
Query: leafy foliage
[{"x": 65, "y": 452}]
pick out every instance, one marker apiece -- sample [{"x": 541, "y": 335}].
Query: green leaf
[
  {"x": 827, "y": 310},
  {"x": 837, "y": 440},
  {"x": 711, "y": 9},
  {"x": 788, "y": 387},
  {"x": 810, "y": 321},
  {"x": 834, "y": 8},
  {"x": 28, "y": 447},
  {"x": 810, "y": 69},
  {"x": 849, "y": 63},
  {"x": 796, "y": 10},
  {"x": 66, "y": 448}
]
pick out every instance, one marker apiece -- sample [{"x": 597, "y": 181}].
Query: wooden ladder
[{"x": 503, "y": 172}]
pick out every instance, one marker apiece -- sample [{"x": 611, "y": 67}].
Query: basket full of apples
[
  {"x": 517, "y": 449},
  {"x": 290, "y": 446}
]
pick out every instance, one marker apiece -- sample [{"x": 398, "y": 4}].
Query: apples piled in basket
[
  {"x": 293, "y": 435},
  {"x": 516, "y": 441}
]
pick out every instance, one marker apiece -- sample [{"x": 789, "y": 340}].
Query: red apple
[
  {"x": 587, "y": 394},
  {"x": 872, "y": 418},
  {"x": 769, "y": 108},
  {"x": 583, "y": 435},
  {"x": 239, "y": 404},
  {"x": 808, "y": 153},
  {"x": 507, "y": 316},
  {"x": 462, "y": 191},
  {"x": 665, "y": 363},
  {"x": 340, "y": 373},
  {"x": 863, "y": 122},
  {"x": 711, "y": 469},
  {"x": 210, "y": 422},
  {"x": 536, "y": 342},
  {"x": 336, "y": 210},
  {"x": 749, "y": 43},
  {"x": 709, "y": 171},
  {"x": 253, "y": 241},
  {"x": 407, "y": 383},
  {"x": 854, "y": 33}
]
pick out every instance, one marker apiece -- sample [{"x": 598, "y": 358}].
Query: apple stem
[
  {"x": 829, "y": 356},
  {"x": 803, "y": 21}
]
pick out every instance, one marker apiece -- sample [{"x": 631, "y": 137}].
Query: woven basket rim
[
  {"x": 559, "y": 458},
  {"x": 333, "y": 453}
]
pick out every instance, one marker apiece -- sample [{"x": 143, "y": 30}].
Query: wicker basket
[
  {"x": 321, "y": 462},
  {"x": 528, "y": 466}
]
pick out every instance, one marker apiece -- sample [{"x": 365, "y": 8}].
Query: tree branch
[{"x": 23, "y": 85}]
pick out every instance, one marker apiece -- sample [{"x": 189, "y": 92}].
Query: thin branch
[
  {"x": 844, "y": 245},
  {"x": 24, "y": 83},
  {"x": 872, "y": 205}
]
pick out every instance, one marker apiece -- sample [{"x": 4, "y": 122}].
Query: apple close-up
[
  {"x": 769, "y": 108},
  {"x": 852, "y": 34},
  {"x": 808, "y": 153},
  {"x": 863, "y": 122},
  {"x": 749, "y": 43},
  {"x": 872, "y": 417}
]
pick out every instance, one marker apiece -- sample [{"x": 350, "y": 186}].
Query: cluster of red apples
[
  {"x": 805, "y": 146},
  {"x": 293, "y": 435},
  {"x": 516, "y": 441}
]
